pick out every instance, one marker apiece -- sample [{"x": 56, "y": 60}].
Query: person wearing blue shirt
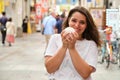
[{"x": 48, "y": 24}]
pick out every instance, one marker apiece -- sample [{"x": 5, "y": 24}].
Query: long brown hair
[{"x": 91, "y": 31}]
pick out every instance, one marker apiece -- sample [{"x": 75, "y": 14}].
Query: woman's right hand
[{"x": 64, "y": 36}]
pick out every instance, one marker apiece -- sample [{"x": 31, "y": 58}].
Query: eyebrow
[{"x": 76, "y": 19}]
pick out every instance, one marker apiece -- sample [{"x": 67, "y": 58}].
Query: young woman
[
  {"x": 11, "y": 31},
  {"x": 72, "y": 55}
]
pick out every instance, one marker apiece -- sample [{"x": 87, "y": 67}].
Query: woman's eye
[
  {"x": 73, "y": 20},
  {"x": 82, "y": 22}
]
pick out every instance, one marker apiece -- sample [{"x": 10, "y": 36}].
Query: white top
[
  {"x": 11, "y": 30},
  {"x": 87, "y": 50}
]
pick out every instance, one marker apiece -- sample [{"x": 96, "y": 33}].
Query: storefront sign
[
  {"x": 97, "y": 14},
  {"x": 112, "y": 18}
]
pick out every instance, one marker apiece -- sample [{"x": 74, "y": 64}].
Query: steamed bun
[{"x": 69, "y": 30}]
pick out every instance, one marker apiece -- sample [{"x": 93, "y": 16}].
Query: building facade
[{"x": 18, "y": 9}]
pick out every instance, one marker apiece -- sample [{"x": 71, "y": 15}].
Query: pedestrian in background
[
  {"x": 11, "y": 31},
  {"x": 59, "y": 24},
  {"x": 57, "y": 17},
  {"x": 108, "y": 32},
  {"x": 48, "y": 24},
  {"x": 25, "y": 25},
  {"x": 72, "y": 55},
  {"x": 3, "y": 21}
]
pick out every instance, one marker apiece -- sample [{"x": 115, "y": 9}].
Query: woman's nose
[{"x": 77, "y": 24}]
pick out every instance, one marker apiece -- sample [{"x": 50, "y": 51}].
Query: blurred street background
[
  {"x": 104, "y": 12},
  {"x": 24, "y": 60}
]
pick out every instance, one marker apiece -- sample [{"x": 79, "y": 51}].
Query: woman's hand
[
  {"x": 64, "y": 38},
  {"x": 69, "y": 39}
]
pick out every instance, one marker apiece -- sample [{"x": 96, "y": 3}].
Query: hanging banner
[
  {"x": 88, "y": 0},
  {"x": 44, "y": 5},
  {"x": 64, "y": 2},
  {"x": 73, "y": 1},
  {"x": 68, "y": 1},
  {"x": 41, "y": 8},
  {"x": 59, "y": 2},
  {"x": 99, "y": 3},
  {"x": 38, "y": 1},
  {"x": 38, "y": 10}
]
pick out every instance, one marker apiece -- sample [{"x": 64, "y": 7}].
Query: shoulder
[
  {"x": 52, "y": 18},
  {"x": 7, "y": 23},
  {"x": 4, "y": 17},
  {"x": 90, "y": 42},
  {"x": 45, "y": 18},
  {"x": 12, "y": 23}
]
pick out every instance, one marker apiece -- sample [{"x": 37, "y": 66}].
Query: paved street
[{"x": 24, "y": 61}]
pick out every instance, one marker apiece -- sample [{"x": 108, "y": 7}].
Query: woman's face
[{"x": 78, "y": 22}]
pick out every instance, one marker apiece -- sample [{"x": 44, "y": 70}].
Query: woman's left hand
[{"x": 71, "y": 38}]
